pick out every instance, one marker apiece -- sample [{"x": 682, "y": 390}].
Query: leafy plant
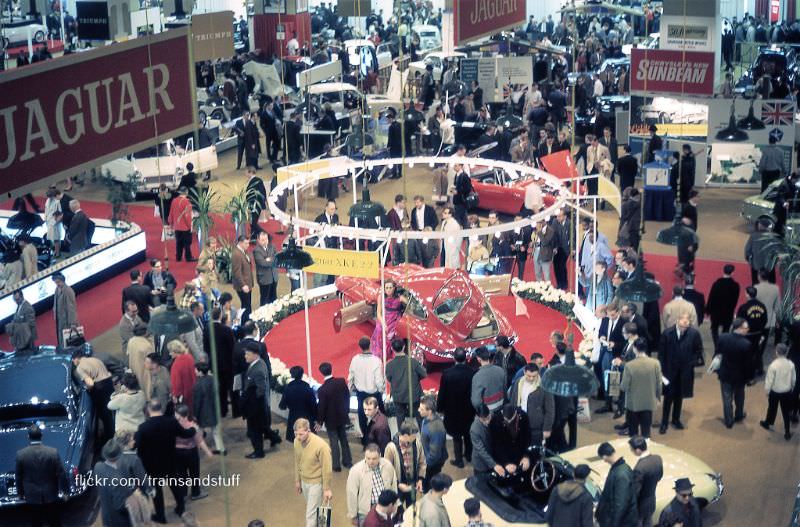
[
  {"x": 782, "y": 255},
  {"x": 120, "y": 193},
  {"x": 242, "y": 205},
  {"x": 223, "y": 259},
  {"x": 204, "y": 201}
]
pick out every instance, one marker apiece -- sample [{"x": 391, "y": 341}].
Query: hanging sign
[
  {"x": 92, "y": 19},
  {"x": 212, "y": 36},
  {"x": 358, "y": 264},
  {"x": 479, "y": 18},
  {"x": 668, "y": 71}
]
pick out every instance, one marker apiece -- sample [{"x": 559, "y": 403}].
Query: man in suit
[
  {"x": 180, "y": 219},
  {"x": 294, "y": 139},
  {"x": 158, "y": 280},
  {"x": 255, "y": 391},
  {"x": 595, "y": 154},
  {"x": 610, "y": 143},
  {"x": 722, "y": 300},
  {"x": 627, "y": 168},
  {"x": 22, "y": 328},
  {"x": 129, "y": 321},
  {"x": 612, "y": 342},
  {"x": 223, "y": 344},
  {"x": 563, "y": 227},
  {"x": 647, "y": 472},
  {"x": 139, "y": 294},
  {"x": 41, "y": 480},
  {"x": 696, "y": 298},
  {"x": 654, "y": 144},
  {"x": 239, "y": 129},
  {"x": 65, "y": 308},
  {"x": 155, "y": 445},
  {"x": 543, "y": 246},
  {"x": 630, "y": 312},
  {"x": 394, "y": 140},
  {"x": 266, "y": 272},
  {"x": 455, "y": 388},
  {"x": 641, "y": 382},
  {"x": 689, "y": 209},
  {"x": 269, "y": 125},
  {"x": 329, "y": 217},
  {"x": 423, "y": 215},
  {"x": 78, "y": 232},
  {"x": 464, "y": 188},
  {"x": 242, "y": 275},
  {"x": 677, "y": 307},
  {"x": 735, "y": 370},
  {"x": 252, "y": 141},
  {"x": 680, "y": 346},
  {"x": 333, "y": 411},
  {"x": 256, "y": 199}
]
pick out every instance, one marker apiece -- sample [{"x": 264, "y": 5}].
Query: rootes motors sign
[
  {"x": 676, "y": 72},
  {"x": 478, "y": 18},
  {"x": 66, "y": 115}
]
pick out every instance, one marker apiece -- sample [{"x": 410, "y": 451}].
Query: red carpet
[
  {"x": 99, "y": 309},
  {"x": 286, "y": 343}
]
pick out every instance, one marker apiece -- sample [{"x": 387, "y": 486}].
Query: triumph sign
[
  {"x": 70, "y": 114},
  {"x": 478, "y": 18},
  {"x": 669, "y": 71}
]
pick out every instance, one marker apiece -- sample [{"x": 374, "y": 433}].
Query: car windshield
[
  {"x": 451, "y": 298},
  {"x": 415, "y": 308},
  {"x": 427, "y": 34},
  {"x": 32, "y": 412}
]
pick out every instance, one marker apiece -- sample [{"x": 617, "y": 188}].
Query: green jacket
[
  {"x": 397, "y": 373},
  {"x": 617, "y": 506}
]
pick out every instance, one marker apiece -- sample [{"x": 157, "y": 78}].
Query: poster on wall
[
  {"x": 688, "y": 33},
  {"x": 93, "y": 22},
  {"x": 478, "y": 18},
  {"x": 672, "y": 71},
  {"x": 212, "y": 36},
  {"x": 738, "y": 129},
  {"x": 515, "y": 70},
  {"x": 468, "y": 71},
  {"x": 486, "y": 78},
  {"x": 146, "y": 22},
  {"x": 700, "y": 152},
  {"x": 673, "y": 117}
]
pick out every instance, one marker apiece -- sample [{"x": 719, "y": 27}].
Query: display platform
[
  {"x": 286, "y": 340},
  {"x": 114, "y": 251}
]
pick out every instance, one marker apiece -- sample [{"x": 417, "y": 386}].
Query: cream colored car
[{"x": 677, "y": 464}]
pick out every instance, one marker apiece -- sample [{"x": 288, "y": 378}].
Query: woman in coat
[
  {"x": 630, "y": 219},
  {"x": 129, "y": 404}
]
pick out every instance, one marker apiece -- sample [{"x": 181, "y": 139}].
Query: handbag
[
  {"x": 167, "y": 233},
  {"x": 584, "y": 413},
  {"x": 73, "y": 337},
  {"x": 324, "y": 513},
  {"x": 613, "y": 379}
]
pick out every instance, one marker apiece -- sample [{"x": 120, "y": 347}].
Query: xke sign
[{"x": 66, "y": 115}]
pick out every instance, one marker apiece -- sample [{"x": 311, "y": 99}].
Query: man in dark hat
[
  {"x": 683, "y": 507},
  {"x": 654, "y": 145}
]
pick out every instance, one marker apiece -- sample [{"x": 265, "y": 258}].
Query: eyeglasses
[{"x": 685, "y": 495}]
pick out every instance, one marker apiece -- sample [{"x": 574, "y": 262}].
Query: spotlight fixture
[
  {"x": 171, "y": 321},
  {"x": 569, "y": 379},
  {"x": 293, "y": 257},
  {"x": 639, "y": 288},
  {"x": 750, "y": 122},
  {"x": 732, "y": 134},
  {"x": 366, "y": 211}
]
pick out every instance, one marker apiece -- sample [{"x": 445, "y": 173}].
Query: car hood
[
  {"x": 677, "y": 464},
  {"x": 15, "y": 437}
]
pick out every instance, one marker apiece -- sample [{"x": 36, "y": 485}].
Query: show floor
[{"x": 759, "y": 469}]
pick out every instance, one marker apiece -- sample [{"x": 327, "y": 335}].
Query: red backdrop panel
[{"x": 265, "y": 29}]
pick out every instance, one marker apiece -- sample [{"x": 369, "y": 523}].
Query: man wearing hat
[
  {"x": 113, "y": 496},
  {"x": 180, "y": 219},
  {"x": 683, "y": 507},
  {"x": 654, "y": 145}
]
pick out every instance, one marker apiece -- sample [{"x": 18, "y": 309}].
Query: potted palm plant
[
  {"x": 242, "y": 205},
  {"x": 204, "y": 201},
  {"x": 120, "y": 193}
]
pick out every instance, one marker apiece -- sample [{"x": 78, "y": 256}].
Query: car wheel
[
  {"x": 38, "y": 36},
  {"x": 218, "y": 114}
]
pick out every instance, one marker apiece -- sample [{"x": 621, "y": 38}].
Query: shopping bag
[
  {"x": 73, "y": 336},
  {"x": 584, "y": 414},
  {"x": 613, "y": 379},
  {"x": 167, "y": 233},
  {"x": 324, "y": 515}
]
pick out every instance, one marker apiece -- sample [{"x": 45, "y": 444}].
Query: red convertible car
[
  {"x": 498, "y": 191},
  {"x": 445, "y": 310}
]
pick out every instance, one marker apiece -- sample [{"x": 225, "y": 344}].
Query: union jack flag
[{"x": 778, "y": 113}]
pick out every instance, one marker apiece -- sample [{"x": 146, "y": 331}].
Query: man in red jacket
[
  {"x": 382, "y": 514},
  {"x": 333, "y": 411},
  {"x": 180, "y": 219}
]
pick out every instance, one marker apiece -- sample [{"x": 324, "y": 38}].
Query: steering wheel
[{"x": 543, "y": 475}]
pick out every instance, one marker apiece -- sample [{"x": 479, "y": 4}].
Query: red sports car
[
  {"x": 497, "y": 191},
  {"x": 445, "y": 310}
]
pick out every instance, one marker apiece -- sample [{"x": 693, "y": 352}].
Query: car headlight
[{"x": 717, "y": 479}]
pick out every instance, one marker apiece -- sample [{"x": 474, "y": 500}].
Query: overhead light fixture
[
  {"x": 293, "y": 257},
  {"x": 509, "y": 121},
  {"x": 569, "y": 379},
  {"x": 673, "y": 233},
  {"x": 750, "y": 122},
  {"x": 367, "y": 212},
  {"x": 639, "y": 288},
  {"x": 171, "y": 320},
  {"x": 731, "y": 133}
]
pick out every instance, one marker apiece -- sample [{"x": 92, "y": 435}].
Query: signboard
[
  {"x": 319, "y": 73},
  {"x": 774, "y": 10},
  {"x": 686, "y": 33},
  {"x": 280, "y": 32},
  {"x": 668, "y": 71},
  {"x": 60, "y": 117},
  {"x": 736, "y": 161},
  {"x": 478, "y": 18},
  {"x": 468, "y": 71},
  {"x": 92, "y": 19},
  {"x": 212, "y": 36},
  {"x": 358, "y": 264},
  {"x": 353, "y": 7},
  {"x": 486, "y": 78},
  {"x": 146, "y": 22},
  {"x": 515, "y": 70}
]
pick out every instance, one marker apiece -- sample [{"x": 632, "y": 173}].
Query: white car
[
  {"x": 429, "y": 37},
  {"x": 354, "y": 46},
  {"x": 665, "y": 110},
  {"x": 435, "y": 59},
  {"x": 17, "y": 31},
  {"x": 163, "y": 164}
]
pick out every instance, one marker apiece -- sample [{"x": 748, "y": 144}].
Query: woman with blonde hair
[{"x": 181, "y": 375}]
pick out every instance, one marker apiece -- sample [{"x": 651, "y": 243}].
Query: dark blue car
[{"x": 40, "y": 388}]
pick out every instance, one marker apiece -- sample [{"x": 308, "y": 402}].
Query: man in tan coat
[
  {"x": 675, "y": 308},
  {"x": 65, "y": 308},
  {"x": 242, "y": 273},
  {"x": 641, "y": 382},
  {"x": 365, "y": 482}
]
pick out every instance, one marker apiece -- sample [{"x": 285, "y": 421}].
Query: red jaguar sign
[
  {"x": 672, "y": 71},
  {"x": 66, "y": 115},
  {"x": 478, "y": 18}
]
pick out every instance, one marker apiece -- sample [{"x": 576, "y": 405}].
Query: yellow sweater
[{"x": 313, "y": 462}]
